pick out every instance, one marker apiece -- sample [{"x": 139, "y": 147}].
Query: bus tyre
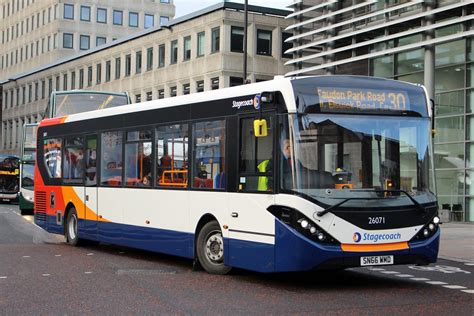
[
  {"x": 71, "y": 228},
  {"x": 210, "y": 249}
]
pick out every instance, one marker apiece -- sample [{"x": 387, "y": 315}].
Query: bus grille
[{"x": 40, "y": 206}]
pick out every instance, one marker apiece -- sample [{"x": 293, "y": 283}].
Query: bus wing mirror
[
  {"x": 266, "y": 97},
  {"x": 260, "y": 128}
]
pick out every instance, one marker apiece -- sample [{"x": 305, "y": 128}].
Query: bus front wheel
[
  {"x": 210, "y": 249},
  {"x": 71, "y": 228}
]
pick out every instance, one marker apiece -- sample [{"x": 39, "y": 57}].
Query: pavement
[{"x": 457, "y": 242}]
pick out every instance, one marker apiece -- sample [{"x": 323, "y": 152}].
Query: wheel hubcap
[
  {"x": 215, "y": 247},
  {"x": 72, "y": 227}
]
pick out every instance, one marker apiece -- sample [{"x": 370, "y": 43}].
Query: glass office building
[{"x": 419, "y": 41}]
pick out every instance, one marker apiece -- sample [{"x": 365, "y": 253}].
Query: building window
[
  {"x": 138, "y": 98},
  {"x": 149, "y": 58},
  {"x": 84, "y": 42},
  {"x": 164, "y": 20},
  {"x": 164, "y": 1},
  {"x": 98, "y": 78},
  {"x": 118, "y": 17},
  {"x": 89, "y": 76},
  {"x": 264, "y": 42},
  {"x": 173, "y": 91},
  {"x": 215, "y": 83},
  {"x": 174, "y": 52},
  {"x": 85, "y": 13},
  {"x": 36, "y": 91},
  {"x": 73, "y": 80},
  {"x": 200, "y": 44},
  {"x": 117, "y": 67},
  {"x": 149, "y": 96},
  {"x": 128, "y": 65},
  {"x": 99, "y": 40},
  {"x": 68, "y": 40},
  {"x": 236, "y": 81},
  {"x": 149, "y": 20},
  {"x": 108, "y": 69},
  {"x": 68, "y": 12},
  {"x": 161, "y": 55},
  {"x": 43, "y": 89},
  {"x": 64, "y": 83},
  {"x": 286, "y": 45},
  {"x": 215, "y": 39},
  {"x": 237, "y": 39},
  {"x": 161, "y": 94},
  {"x": 187, "y": 48},
  {"x": 186, "y": 88},
  {"x": 133, "y": 19},
  {"x": 138, "y": 62},
  {"x": 57, "y": 85},
  {"x": 81, "y": 79},
  {"x": 200, "y": 86},
  {"x": 101, "y": 15}
]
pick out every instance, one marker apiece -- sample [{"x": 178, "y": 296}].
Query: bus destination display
[{"x": 332, "y": 99}]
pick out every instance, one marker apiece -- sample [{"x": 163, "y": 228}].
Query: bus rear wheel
[
  {"x": 210, "y": 249},
  {"x": 71, "y": 228}
]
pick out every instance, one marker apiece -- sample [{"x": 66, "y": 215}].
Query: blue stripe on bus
[{"x": 291, "y": 252}]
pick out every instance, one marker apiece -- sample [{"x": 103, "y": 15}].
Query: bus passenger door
[
  {"x": 90, "y": 187},
  {"x": 251, "y": 226}
]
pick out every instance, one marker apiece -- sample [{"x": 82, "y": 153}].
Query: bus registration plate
[{"x": 376, "y": 260}]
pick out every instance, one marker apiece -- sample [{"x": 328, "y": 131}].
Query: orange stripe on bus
[
  {"x": 53, "y": 121},
  {"x": 380, "y": 247},
  {"x": 70, "y": 195}
]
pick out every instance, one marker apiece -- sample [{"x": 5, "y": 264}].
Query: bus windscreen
[{"x": 73, "y": 103}]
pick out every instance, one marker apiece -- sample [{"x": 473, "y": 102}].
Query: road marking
[
  {"x": 469, "y": 263},
  {"x": 468, "y": 291},
  {"x": 3, "y": 277},
  {"x": 57, "y": 255},
  {"x": 88, "y": 272},
  {"x": 404, "y": 275},
  {"x": 454, "y": 287},
  {"x": 90, "y": 254},
  {"x": 436, "y": 282},
  {"x": 46, "y": 274},
  {"x": 376, "y": 269},
  {"x": 390, "y": 272},
  {"x": 419, "y": 279},
  {"x": 26, "y": 257}
]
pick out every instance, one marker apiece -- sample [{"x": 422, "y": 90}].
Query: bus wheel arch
[
  {"x": 70, "y": 222},
  {"x": 209, "y": 245}
]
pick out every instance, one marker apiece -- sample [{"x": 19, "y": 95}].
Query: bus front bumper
[{"x": 295, "y": 252}]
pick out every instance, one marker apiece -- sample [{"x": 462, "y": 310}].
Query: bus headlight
[
  {"x": 429, "y": 229},
  {"x": 302, "y": 224},
  {"x": 436, "y": 220}
]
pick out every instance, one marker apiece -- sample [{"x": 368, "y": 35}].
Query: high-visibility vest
[{"x": 263, "y": 181}]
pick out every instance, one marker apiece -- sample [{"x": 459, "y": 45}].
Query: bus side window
[
  {"x": 91, "y": 161},
  {"x": 138, "y": 158},
  {"x": 111, "y": 158},
  {"x": 172, "y": 156},
  {"x": 73, "y": 160},
  {"x": 209, "y": 155},
  {"x": 52, "y": 156}
]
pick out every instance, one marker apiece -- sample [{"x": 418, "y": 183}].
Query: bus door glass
[
  {"x": 90, "y": 188},
  {"x": 250, "y": 221}
]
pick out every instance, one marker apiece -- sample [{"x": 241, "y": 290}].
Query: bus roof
[
  {"x": 279, "y": 83},
  {"x": 88, "y": 92}
]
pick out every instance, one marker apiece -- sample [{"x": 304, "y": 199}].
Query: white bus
[{"x": 285, "y": 175}]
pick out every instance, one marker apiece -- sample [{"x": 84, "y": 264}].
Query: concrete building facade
[
  {"x": 421, "y": 41},
  {"x": 34, "y": 33},
  {"x": 201, "y": 51}
]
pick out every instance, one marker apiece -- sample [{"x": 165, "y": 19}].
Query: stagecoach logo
[
  {"x": 356, "y": 237},
  {"x": 256, "y": 102},
  {"x": 375, "y": 237},
  {"x": 240, "y": 104}
]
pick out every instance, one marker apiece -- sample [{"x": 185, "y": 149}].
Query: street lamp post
[{"x": 245, "y": 41}]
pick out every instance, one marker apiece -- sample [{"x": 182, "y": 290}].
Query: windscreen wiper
[{"x": 335, "y": 206}]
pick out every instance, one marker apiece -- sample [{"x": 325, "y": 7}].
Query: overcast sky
[{"x": 187, "y": 6}]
